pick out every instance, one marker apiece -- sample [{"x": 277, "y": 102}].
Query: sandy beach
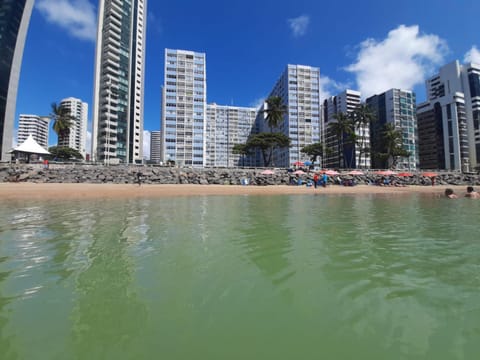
[{"x": 12, "y": 191}]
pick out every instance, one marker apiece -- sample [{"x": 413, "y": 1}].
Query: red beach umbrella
[
  {"x": 355, "y": 172},
  {"x": 405, "y": 174},
  {"x": 331, "y": 172},
  {"x": 386, "y": 172},
  {"x": 267, "y": 172},
  {"x": 298, "y": 163},
  {"x": 429, "y": 174},
  {"x": 299, "y": 172}
]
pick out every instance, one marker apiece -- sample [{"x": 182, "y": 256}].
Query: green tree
[
  {"x": 266, "y": 143},
  {"x": 62, "y": 121},
  {"x": 315, "y": 150},
  {"x": 392, "y": 147},
  {"x": 363, "y": 117},
  {"x": 274, "y": 111},
  {"x": 64, "y": 153},
  {"x": 343, "y": 129},
  {"x": 242, "y": 150}
]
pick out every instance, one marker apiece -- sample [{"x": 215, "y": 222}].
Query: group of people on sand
[{"x": 471, "y": 193}]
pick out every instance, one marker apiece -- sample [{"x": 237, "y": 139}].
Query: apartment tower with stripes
[
  {"x": 117, "y": 131},
  {"x": 77, "y": 136},
  {"x": 184, "y": 108},
  {"x": 354, "y": 153},
  {"x": 299, "y": 89},
  {"x": 449, "y": 121}
]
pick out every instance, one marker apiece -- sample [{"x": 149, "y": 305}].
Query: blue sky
[{"x": 365, "y": 45}]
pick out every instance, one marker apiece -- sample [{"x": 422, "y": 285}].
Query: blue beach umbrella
[{"x": 308, "y": 163}]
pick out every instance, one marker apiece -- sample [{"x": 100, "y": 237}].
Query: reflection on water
[{"x": 240, "y": 277}]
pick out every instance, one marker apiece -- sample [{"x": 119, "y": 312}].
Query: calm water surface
[{"x": 241, "y": 277}]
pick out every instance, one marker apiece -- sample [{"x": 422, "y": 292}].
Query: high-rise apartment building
[
  {"x": 396, "y": 107},
  {"x": 449, "y": 121},
  {"x": 14, "y": 20},
  {"x": 354, "y": 153},
  {"x": 155, "y": 146},
  {"x": 77, "y": 137},
  {"x": 119, "y": 81},
  {"x": 227, "y": 126},
  {"x": 184, "y": 108},
  {"x": 34, "y": 125},
  {"x": 298, "y": 87}
]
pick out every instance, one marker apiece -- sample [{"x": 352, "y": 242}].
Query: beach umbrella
[
  {"x": 429, "y": 174},
  {"x": 405, "y": 174},
  {"x": 331, "y": 172},
  {"x": 298, "y": 163},
  {"x": 299, "y": 172},
  {"x": 308, "y": 163},
  {"x": 267, "y": 172},
  {"x": 355, "y": 172},
  {"x": 386, "y": 172}
]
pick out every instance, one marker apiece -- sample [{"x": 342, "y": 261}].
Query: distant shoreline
[{"x": 42, "y": 191}]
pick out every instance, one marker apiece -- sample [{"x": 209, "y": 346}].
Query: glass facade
[
  {"x": 118, "y": 105},
  {"x": 12, "y": 13},
  {"x": 474, "y": 81}
]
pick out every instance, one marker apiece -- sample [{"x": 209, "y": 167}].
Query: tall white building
[
  {"x": 117, "y": 132},
  {"x": 397, "y": 107},
  {"x": 227, "y": 126},
  {"x": 155, "y": 146},
  {"x": 77, "y": 137},
  {"x": 299, "y": 89},
  {"x": 184, "y": 108},
  {"x": 345, "y": 103},
  {"x": 454, "y": 107},
  {"x": 35, "y": 125}
]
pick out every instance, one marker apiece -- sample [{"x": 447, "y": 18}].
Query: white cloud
[
  {"x": 78, "y": 17},
  {"x": 330, "y": 87},
  {"x": 472, "y": 56},
  {"x": 299, "y": 25},
  {"x": 402, "y": 60},
  {"x": 146, "y": 144},
  {"x": 155, "y": 23}
]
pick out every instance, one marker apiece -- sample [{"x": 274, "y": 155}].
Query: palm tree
[
  {"x": 362, "y": 117},
  {"x": 392, "y": 144},
  {"x": 266, "y": 143},
  {"x": 315, "y": 151},
  {"x": 343, "y": 130},
  {"x": 62, "y": 121},
  {"x": 275, "y": 111},
  {"x": 241, "y": 149}
]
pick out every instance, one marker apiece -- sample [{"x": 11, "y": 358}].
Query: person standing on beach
[
  {"x": 139, "y": 178},
  {"x": 325, "y": 180},
  {"x": 315, "y": 180}
]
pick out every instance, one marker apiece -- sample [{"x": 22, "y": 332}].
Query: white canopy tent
[{"x": 29, "y": 147}]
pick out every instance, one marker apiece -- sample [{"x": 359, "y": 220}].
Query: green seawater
[{"x": 241, "y": 277}]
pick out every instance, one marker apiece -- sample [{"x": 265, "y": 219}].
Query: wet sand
[{"x": 13, "y": 191}]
